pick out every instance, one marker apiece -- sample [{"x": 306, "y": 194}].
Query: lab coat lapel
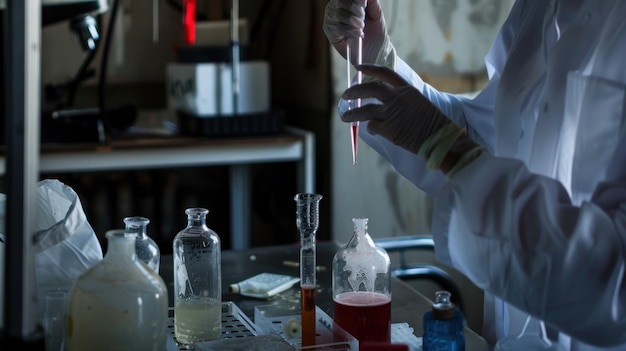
[
  {"x": 567, "y": 55},
  {"x": 524, "y": 70}
]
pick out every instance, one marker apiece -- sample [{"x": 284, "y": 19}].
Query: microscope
[
  {"x": 65, "y": 124},
  {"x": 80, "y": 14}
]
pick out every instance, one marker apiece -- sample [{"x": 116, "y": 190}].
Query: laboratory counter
[{"x": 407, "y": 305}]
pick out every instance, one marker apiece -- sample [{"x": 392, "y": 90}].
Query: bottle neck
[
  {"x": 196, "y": 222},
  {"x": 137, "y": 225},
  {"x": 142, "y": 233},
  {"x": 361, "y": 239},
  {"x": 360, "y": 236},
  {"x": 121, "y": 246}
]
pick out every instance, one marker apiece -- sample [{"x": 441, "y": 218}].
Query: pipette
[
  {"x": 358, "y": 59},
  {"x": 307, "y": 222}
]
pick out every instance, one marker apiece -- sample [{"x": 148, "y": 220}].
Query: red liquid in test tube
[
  {"x": 307, "y": 315},
  {"x": 358, "y": 59}
]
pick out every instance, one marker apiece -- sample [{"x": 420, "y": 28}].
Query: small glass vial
[
  {"x": 147, "y": 250},
  {"x": 197, "y": 281},
  {"x": 443, "y": 326},
  {"x": 362, "y": 287}
]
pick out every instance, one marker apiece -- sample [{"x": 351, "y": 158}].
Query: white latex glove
[
  {"x": 346, "y": 19},
  {"x": 408, "y": 119}
]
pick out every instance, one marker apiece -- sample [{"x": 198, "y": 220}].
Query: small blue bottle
[{"x": 443, "y": 326}]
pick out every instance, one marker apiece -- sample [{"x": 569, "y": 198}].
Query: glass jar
[
  {"x": 147, "y": 250},
  {"x": 119, "y": 303},
  {"x": 443, "y": 325},
  {"x": 197, "y": 281},
  {"x": 362, "y": 287}
]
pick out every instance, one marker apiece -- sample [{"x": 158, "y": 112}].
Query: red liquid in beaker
[{"x": 365, "y": 315}]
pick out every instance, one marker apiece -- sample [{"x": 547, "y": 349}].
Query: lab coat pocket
[{"x": 592, "y": 127}]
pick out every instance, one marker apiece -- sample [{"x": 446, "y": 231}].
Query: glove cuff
[
  {"x": 449, "y": 139},
  {"x": 436, "y": 147},
  {"x": 466, "y": 158},
  {"x": 387, "y": 55}
]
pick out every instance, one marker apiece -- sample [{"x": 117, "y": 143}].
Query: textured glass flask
[
  {"x": 362, "y": 287},
  {"x": 443, "y": 326},
  {"x": 197, "y": 281},
  {"x": 119, "y": 303},
  {"x": 147, "y": 250}
]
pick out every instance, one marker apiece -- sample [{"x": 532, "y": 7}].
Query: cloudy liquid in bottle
[{"x": 197, "y": 319}]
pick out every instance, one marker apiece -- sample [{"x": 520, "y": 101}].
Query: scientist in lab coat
[{"x": 529, "y": 177}]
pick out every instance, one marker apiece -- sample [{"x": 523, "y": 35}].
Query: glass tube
[
  {"x": 307, "y": 222},
  {"x": 354, "y": 55}
]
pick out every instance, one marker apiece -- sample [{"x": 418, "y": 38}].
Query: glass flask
[
  {"x": 443, "y": 326},
  {"x": 119, "y": 303},
  {"x": 197, "y": 281},
  {"x": 147, "y": 250},
  {"x": 307, "y": 222},
  {"x": 532, "y": 338},
  {"x": 362, "y": 287}
]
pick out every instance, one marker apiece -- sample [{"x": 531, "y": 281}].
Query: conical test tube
[
  {"x": 354, "y": 54},
  {"x": 307, "y": 222}
]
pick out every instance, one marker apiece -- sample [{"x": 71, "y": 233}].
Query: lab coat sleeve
[
  {"x": 473, "y": 114},
  {"x": 517, "y": 235}
]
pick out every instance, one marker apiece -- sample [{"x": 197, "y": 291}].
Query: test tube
[
  {"x": 307, "y": 222},
  {"x": 354, "y": 52}
]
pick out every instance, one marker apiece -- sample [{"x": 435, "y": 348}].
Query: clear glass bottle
[
  {"x": 443, "y": 326},
  {"x": 197, "y": 281},
  {"x": 147, "y": 249},
  {"x": 119, "y": 303},
  {"x": 362, "y": 287},
  {"x": 532, "y": 337}
]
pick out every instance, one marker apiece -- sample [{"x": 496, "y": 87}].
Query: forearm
[
  {"x": 535, "y": 249},
  {"x": 475, "y": 115}
]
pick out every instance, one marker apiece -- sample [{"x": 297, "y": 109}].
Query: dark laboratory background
[{"x": 127, "y": 70}]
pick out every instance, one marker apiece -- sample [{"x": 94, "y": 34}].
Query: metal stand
[{"x": 22, "y": 56}]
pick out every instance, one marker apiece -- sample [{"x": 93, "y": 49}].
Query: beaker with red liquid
[{"x": 362, "y": 287}]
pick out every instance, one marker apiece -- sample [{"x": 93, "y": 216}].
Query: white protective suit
[{"x": 540, "y": 219}]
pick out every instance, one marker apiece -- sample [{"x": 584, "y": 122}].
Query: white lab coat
[{"x": 540, "y": 220}]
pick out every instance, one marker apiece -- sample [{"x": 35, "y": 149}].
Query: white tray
[
  {"x": 235, "y": 325},
  {"x": 272, "y": 319}
]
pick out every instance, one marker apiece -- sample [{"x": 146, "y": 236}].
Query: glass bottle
[
  {"x": 362, "y": 287},
  {"x": 307, "y": 222},
  {"x": 197, "y": 281},
  {"x": 147, "y": 250},
  {"x": 532, "y": 338},
  {"x": 119, "y": 303},
  {"x": 443, "y": 326}
]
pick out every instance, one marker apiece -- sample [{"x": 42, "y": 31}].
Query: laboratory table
[{"x": 407, "y": 304}]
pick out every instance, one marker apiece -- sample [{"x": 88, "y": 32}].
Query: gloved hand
[
  {"x": 408, "y": 119},
  {"x": 346, "y": 19}
]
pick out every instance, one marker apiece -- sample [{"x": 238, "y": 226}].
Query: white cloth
[{"x": 541, "y": 221}]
